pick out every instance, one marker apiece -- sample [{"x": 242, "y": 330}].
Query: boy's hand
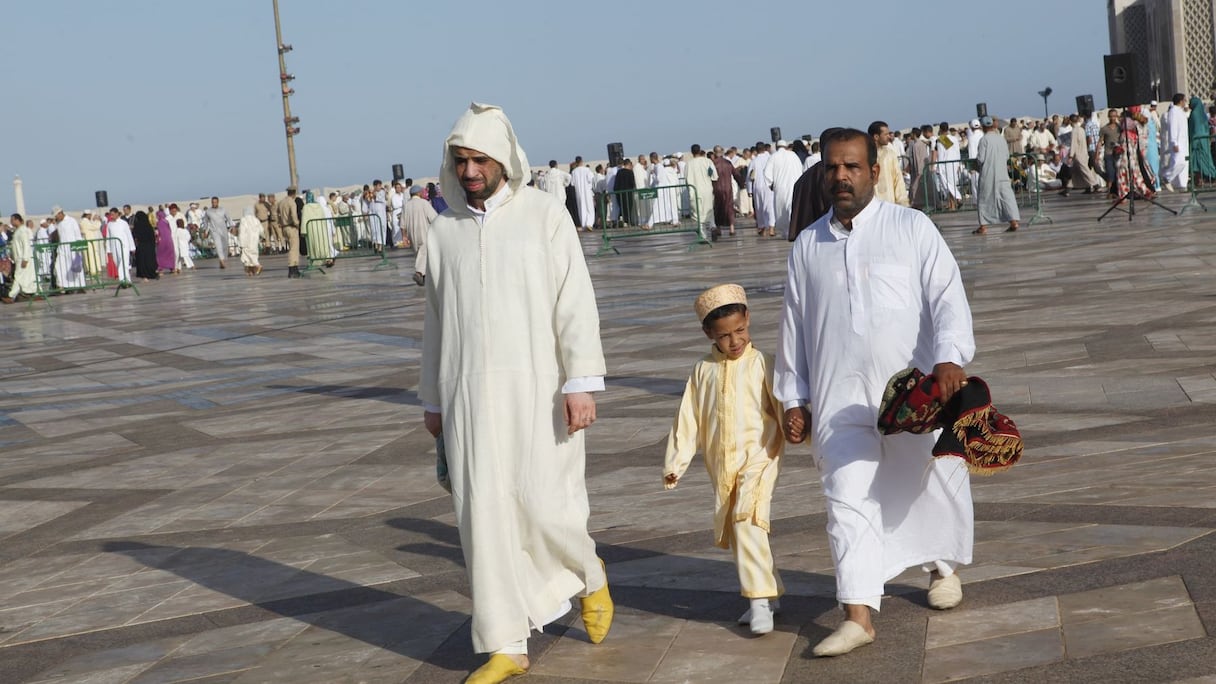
[
  {"x": 797, "y": 424},
  {"x": 670, "y": 481}
]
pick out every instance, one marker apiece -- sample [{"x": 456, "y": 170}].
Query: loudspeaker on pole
[
  {"x": 981, "y": 109},
  {"x": 1085, "y": 105},
  {"x": 102, "y": 199},
  {"x": 398, "y": 172},
  {"x": 1121, "y": 86},
  {"x": 616, "y": 154},
  {"x": 775, "y": 132}
]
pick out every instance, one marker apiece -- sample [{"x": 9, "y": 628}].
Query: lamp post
[
  {"x": 1045, "y": 93},
  {"x": 285, "y": 80}
]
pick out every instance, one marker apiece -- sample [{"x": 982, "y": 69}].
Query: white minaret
[{"x": 19, "y": 195}]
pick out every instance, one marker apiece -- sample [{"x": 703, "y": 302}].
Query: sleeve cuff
[
  {"x": 948, "y": 353},
  {"x": 585, "y": 384},
  {"x": 431, "y": 408},
  {"x": 793, "y": 403}
]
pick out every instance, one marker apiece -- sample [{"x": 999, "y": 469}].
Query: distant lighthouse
[{"x": 19, "y": 195}]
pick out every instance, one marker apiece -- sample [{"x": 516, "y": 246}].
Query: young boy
[{"x": 730, "y": 415}]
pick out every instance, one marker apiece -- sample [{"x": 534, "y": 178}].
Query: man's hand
[
  {"x": 433, "y": 422},
  {"x": 950, "y": 377},
  {"x": 670, "y": 481},
  {"x": 25, "y": 264},
  {"x": 580, "y": 411},
  {"x": 797, "y": 424}
]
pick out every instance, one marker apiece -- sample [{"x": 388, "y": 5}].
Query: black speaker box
[
  {"x": 1121, "y": 87},
  {"x": 981, "y": 110},
  {"x": 398, "y": 172},
  {"x": 1085, "y": 105},
  {"x": 616, "y": 154},
  {"x": 102, "y": 199},
  {"x": 775, "y": 132}
]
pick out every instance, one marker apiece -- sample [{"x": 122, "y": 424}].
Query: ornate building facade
[{"x": 1174, "y": 42}]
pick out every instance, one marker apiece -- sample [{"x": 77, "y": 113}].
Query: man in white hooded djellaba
[{"x": 511, "y": 354}]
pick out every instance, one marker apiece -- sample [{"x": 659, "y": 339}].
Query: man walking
[
  {"x": 995, "y": 200},
  {"x": 873, "y": 289},
  {"x": 288, "y": 218},
  {"x": 215, "y": 220},
  {"x": 505, "y": 257}
]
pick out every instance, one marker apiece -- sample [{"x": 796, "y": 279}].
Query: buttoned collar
[{"x": 863, "y": 217}]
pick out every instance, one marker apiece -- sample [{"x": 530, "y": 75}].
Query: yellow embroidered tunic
[{"x": 730, "y": 415}]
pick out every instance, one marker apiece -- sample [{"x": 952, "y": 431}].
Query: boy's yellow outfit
[{"x": 730, "y": 415}]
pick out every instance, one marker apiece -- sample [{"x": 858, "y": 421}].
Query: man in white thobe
[
  {"x": 511, "y": 313},
  {"x": 781, "y": 172},
  {"x": 762, "y": 191},
  {"x": 1177, "y": 146},
  {"x": 701, "y": 175},
  {"x": 21, "y": 249},
  {"x": 583, "y": 180},
  {"x": 69, "y": 263},
  {"x": 120, "y": 244},
  {"x": 181, "y": 238},
  {"x": 416, "y": 217},
  {"x": 556, "y": 181},
  {"x": 872, "y": 289}
]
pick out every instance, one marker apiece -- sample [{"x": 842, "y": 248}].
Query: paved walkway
[{"x": 226, "y": 479}]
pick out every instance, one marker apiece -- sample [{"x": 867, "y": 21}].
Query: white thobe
[
  {"x": 181, "y": 240},
  {"x": 120, "y": 245},
  {"x": 42, "y": 260},
  {"x": 69, "y": 265},
  {"x": 860, "y": 306},
  {"x": 947, "y": 167},
  {"x": 667, "y": 205},
  {"x": 811, "y": 160},
  {"x": 21, "y": 247},
  {"x": 517, "y": 477},
  {"x": 583, "y": 180},
  {"x": 781, "y": 172},
  {"x": 762, "y": 191},
  {"x": 416, "y": 218},
  {"x": 249, "y": 236},
  {"x": 1177, "y": 171},
  {"x": 556, "y": 181},
  {"x": 614, "y": 205}
]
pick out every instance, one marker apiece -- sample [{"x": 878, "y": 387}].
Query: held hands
[
  {"x": 580, "y": 411},
  {"x": 433, "y": 423},
  {"x": 950, "y": 377},
  {"x": 670, "y": 481},
  {"x": 797, "y": 424}
]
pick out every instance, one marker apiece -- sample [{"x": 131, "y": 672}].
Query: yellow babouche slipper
[
  {"x": 597, "y": 612},
  {"x": 499, "y": 668}
]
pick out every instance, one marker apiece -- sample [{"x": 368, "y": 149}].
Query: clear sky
[{"x": 154, "y": 100}]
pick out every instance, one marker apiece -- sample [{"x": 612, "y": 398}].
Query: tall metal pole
[{"x": 284, "y": 81}]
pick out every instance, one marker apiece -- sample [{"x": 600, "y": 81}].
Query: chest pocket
[{"x": 891, "y": 286}]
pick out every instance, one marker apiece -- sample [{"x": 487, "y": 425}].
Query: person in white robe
[
  {"x": 946, "y": 154},
  {"x": 974, "y": 132},
  {"x": 181, "y": 239},
  {"x": 396, "y": 200},
  {"x": 994, "y": 198},
  {"x": 42, "y": 257},
  {"x": 249, "y": 233},
  {"x": 610, "y": 197},
  {"x": 416, "y": 218},
  {"x": 218, "y": 224},
  {"x": 1177, "y": 147},
  {"x": 511, "y": 313},
  {"x": 762, "y": 191},
  {"x": 69, "y": 262},
  {"x": 872, "y": 289},
  {"x": 667, "y": 205},
  {"x": 555, "y": 182},
  {"x": 120, "y": 244},
  {"x": 641, "y": 179},
  {"x": 701, "y": 175},
  {"x": 780, "y": 173},
  {"x": 583, "y": 180},
  {"x": 21, "y": 250},
  {"x": 90, "y": 228}
]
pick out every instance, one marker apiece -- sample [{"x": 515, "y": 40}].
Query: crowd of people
[{"x": 64, "y": 254}]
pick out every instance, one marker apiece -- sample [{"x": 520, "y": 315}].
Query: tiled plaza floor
[{"x": 226, "y": 479}]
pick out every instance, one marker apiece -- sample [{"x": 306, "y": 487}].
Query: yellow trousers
[{"x": 758, "y": 576}]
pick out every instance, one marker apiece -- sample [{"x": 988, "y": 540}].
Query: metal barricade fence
[
  {"x": 952, "y": 186},
  {"x": 81, "y": 265},
  {"x": 1199, "y": 182},
  {"x": 345, "y": 237},
  {"x": 643, "y": 212}
]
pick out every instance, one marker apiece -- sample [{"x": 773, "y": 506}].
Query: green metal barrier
[
  {"x": 1199, "y": 183},
  {"x": 644, "y": 212},
  {"x": 935, "y": 186},
  {"x": 61, "y": 268},
  {"x": 344, "y": 237}
]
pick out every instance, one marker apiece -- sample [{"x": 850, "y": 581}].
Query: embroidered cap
[{"x": 719, "y": 295}]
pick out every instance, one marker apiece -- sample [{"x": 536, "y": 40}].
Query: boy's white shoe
[
  {"x": 762, "y": 616},
  {"x": 746, "y": 617}
]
